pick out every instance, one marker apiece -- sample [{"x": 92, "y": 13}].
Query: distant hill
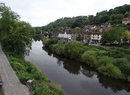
[{"x": 113, "y": 16}]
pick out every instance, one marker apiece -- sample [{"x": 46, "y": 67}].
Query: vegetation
[
  {"x": 16, "y": 38},
  {"x": 113, "y": 62},
  {"x": 13, "y": 32},
  {"x": 40, "y": 85},
  {"x": 113, "y": 16},
  {"x": 118, "y": 34}
]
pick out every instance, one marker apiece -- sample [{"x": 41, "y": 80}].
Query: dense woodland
[{"x": 113, "y": 16}]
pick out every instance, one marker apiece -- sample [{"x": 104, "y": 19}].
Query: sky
[{"x": 42, "y": 12}]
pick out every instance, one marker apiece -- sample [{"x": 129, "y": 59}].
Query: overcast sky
[{"x": 42, "y": 12}]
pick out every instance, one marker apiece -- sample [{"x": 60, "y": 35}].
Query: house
[
  {"x": 65, "y": 35},
  {"x": 95, "y": 38},
  {"x": 126, "y": 21}
]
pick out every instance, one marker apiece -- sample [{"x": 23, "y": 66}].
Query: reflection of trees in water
[
  {"x": 49, "y": 52},
  {"x": 71, "y": 66},
  {"x": 114, "y": 84},
  {"x": 76, "y": 67},
  {"x": 87, "y": 71}
]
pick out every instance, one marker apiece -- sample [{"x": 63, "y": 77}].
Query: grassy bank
[
  {"x": 113, "y": 62},
  {"x": 40, "y": 85}
]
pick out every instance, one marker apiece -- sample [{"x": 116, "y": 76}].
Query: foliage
[
  {"x": 114, "y": 34},
  {"x": 48, "y": 42},
  {"x": 113, "y": 16},
  {"x": 58, "y": 48},
  {"x": 15, "y": 35},
  {"x": 41, "y": 85},
  {"x": 113, "y": 62},
  {"x": 124, "y": 66},
  {"x": 90, "y": 56},
  {"x": 126, "y": 35},
  {"x": 110, "y": 70},
  {"x": 44, "y": 88},
  {"x": 104, "y": 60},
  {"x": 116, "y": 18},
  {"x": 74, "y": 49}
]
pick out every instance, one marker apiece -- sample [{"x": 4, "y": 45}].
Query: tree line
[{"x": 113, "y": 16}]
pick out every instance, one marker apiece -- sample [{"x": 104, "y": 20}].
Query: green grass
[{"x": 41, "y": 85}]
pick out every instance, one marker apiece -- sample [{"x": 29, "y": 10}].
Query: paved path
[{"x": 11, "y": 83}]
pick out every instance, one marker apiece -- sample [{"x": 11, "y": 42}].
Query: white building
[
  {"x": 65, "y": 36},
  {"x": 95, "y": 38}
]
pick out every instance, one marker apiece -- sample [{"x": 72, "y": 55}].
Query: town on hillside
[{"x": 90, "y": 34}]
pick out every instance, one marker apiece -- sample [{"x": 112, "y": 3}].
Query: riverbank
[
  {"x": 113, "y": 62},
  {"x": 40, "y": 84}
]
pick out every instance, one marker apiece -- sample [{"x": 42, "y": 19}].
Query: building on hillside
[
  {"x": 126, "y": 21},
  {"x": 95, "y": 38},
  {"x": 65, "y": 35}
]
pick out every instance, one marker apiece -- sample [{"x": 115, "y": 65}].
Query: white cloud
[{"x": 41, "y": 12}]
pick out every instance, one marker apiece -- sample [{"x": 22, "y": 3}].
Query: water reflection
[
  {"x": 76, "y": 68},
  {"x": 75, "y": 78},
  {"x": 115, "y": 85}
]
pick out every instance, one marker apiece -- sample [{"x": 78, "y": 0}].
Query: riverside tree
[{"x": 15, "y": 35}]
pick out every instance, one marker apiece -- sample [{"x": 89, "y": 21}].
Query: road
[{"x": 11, "y": 83}]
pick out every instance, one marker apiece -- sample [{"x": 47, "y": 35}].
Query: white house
[
  {"x": 65, "y": 36},
  {"x": 95, "y": 38}
]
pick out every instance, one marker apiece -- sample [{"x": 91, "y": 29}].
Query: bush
[
  {"x": 44, "y": 88},
  {"x": 90, "y": 57},
  {"x": 74, "y": 50},
  {"x": 41, "y": 85},
  {"x": 124, "y": 66},
  {"x": 110, "y": 70},
  {"x": 49, "y": 42},
  {"x": 58, "y": 48},
  {"x": 104, "y": 60},
  {"x": 115, "y": 53}
]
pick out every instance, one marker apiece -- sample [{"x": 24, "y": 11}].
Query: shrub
[
  {"x": 74, "y": 50},
  {"x": 115, "y": 53},
  {"x": 44, "y": 88},
  {"x": 110, "y": 70},
  {"x": 49, "y": 42},
  {"x": 24, "y": 76},
  {"x": 124, "y": 66},
  {"x": 41, "y": 85},
  {"x": 103, "y": 60},
  {"x": 58, "y": 48},
  {"x": 90, "y": 56}
]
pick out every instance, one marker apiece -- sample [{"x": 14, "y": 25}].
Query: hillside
[{"x": 113, "y": 16}]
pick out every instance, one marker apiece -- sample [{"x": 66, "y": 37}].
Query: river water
[{"x": 75, "y": 78}]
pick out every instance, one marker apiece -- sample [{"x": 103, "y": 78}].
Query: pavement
[{"x": 11, "y": 83}]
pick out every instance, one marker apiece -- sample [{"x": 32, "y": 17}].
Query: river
[{"x": 75, "y": 78}]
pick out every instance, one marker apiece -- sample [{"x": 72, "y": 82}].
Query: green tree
[
  {"x": 114, "y": 34},
  {"x": 126, "y": 35},
  {"x": 15, "y": 35},
  {"x": 116, "y": 18}
]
